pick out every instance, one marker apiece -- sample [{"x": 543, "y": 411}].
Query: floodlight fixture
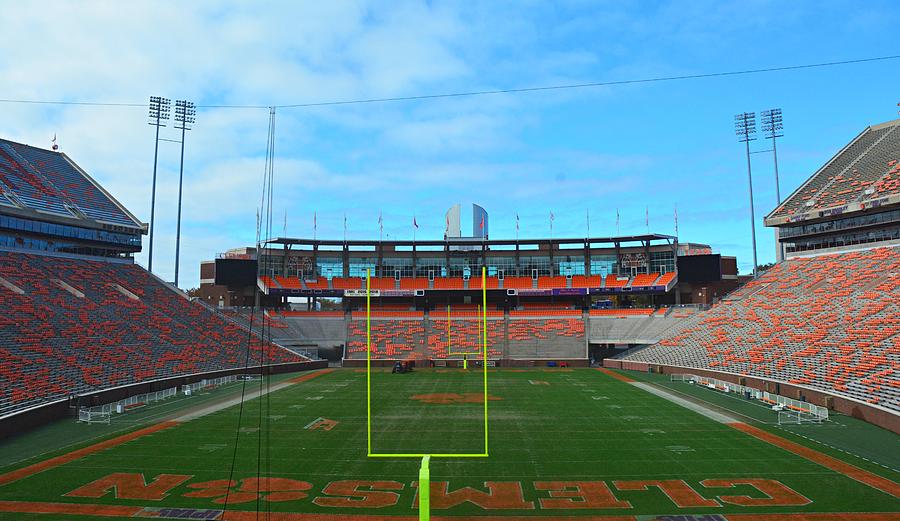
[
  {"x": 185, "y": 113},
  {"x": 158, "y": 114},
  {"x": 745, "y": 126},
  {"x": 745, "y": 129}
]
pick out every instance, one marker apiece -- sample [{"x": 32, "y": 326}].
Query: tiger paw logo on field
[
  {"x": 268, "y": 489},
  {"x": 453, "y": 398}
]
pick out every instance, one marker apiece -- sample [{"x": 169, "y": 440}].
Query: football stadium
[
  {"x": 455, "y": 375},
  {"x": 567, "y": 378}
]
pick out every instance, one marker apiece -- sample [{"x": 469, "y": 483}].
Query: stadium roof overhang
[{"x": 285, "y": 241}]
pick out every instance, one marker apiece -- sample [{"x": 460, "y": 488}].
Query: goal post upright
[
  {"x": 484, "y": 366},
  {"x": 369, "y": 360}
]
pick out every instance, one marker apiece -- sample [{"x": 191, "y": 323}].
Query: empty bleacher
[
  {"x": 585, "y": 281},
  {"x": 47, "y": 181},
  {"x": 76, "y": 326},
  {"x": 830, "y": 322},
  {"x": 864, "y": 169},
  {"x": 547, "y": 338},
  {"x": 644, "y": 280}
]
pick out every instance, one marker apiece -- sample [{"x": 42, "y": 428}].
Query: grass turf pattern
[{"x": 581, "y": 427}]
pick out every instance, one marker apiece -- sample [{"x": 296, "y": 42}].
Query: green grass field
[{"x": 562, "y": 443}]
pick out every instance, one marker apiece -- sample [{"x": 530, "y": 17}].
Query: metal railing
[{"x": 802, "y": 411}]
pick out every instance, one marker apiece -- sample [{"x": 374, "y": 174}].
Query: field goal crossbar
[
  {"x": 790, "y": 411},
  {"x": 482, "y": 331}
]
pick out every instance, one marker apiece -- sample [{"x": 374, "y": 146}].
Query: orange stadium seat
[
  {"x": 448, "y": 283},
  {"x": 551, "y": 282},
  {"x": 614, "y": 281},
  {"x": 585, "y": 281},
  {"x": 320, "y": 283},
  {"x": 644, "y": 280},
  {"x": 348, "y": 283},
  {"x": 380, "y": 283},
  {"x": 827, "y": 322},
  {"x": 413, "y": 283},
  {"x": 289, "y": 282},
  {"x": 517, "y": 283},
  {"x": 54, "y": 344}
]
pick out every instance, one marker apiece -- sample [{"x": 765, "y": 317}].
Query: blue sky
[{"x": 603, "y": 148}]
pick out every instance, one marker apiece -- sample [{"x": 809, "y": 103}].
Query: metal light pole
[
  {"x": 184, "y": 117},
  {"x": 745, "y": 128},
  {"x": 773, "y": 128},
  {"x": 159, "y": 111}
]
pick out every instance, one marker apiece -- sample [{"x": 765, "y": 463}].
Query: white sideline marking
[
  {"x": 709, "y": 413},
  {"x": 216, "y": 407}
]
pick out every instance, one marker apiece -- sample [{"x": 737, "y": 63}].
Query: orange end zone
[
  {"x": 617, "y": 376},
  {"x": 863, "y": 476}
]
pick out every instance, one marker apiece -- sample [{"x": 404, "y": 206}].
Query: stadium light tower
[
  {"x": 745, "y": 129},
  {"x": 773, "y": 128},
  {"x": 159, "y": 113},
  {"x": 184, "y": 118}
]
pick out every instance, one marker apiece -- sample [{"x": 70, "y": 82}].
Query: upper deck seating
[{"x": 830, "y": 322}]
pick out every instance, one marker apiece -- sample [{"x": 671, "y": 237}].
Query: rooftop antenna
[{"x": 53, "y": 144}]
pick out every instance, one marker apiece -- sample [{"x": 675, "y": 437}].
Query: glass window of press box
[
  {"x": 569, "y": 265},
  {"x": 74, "y": 232},
  {"x": 662, "y": 261},
  {"x": 359, "y": 266},
  {"x": 529, "y": 264},
  {"x": 435, "y": 265},
  {"x": 604, "y": 265},
  {"x": 329, "y": 267},
  {"x": 391, "y": 265}
]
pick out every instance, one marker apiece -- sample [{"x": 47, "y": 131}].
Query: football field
[{"x": 563, "y": 443}]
